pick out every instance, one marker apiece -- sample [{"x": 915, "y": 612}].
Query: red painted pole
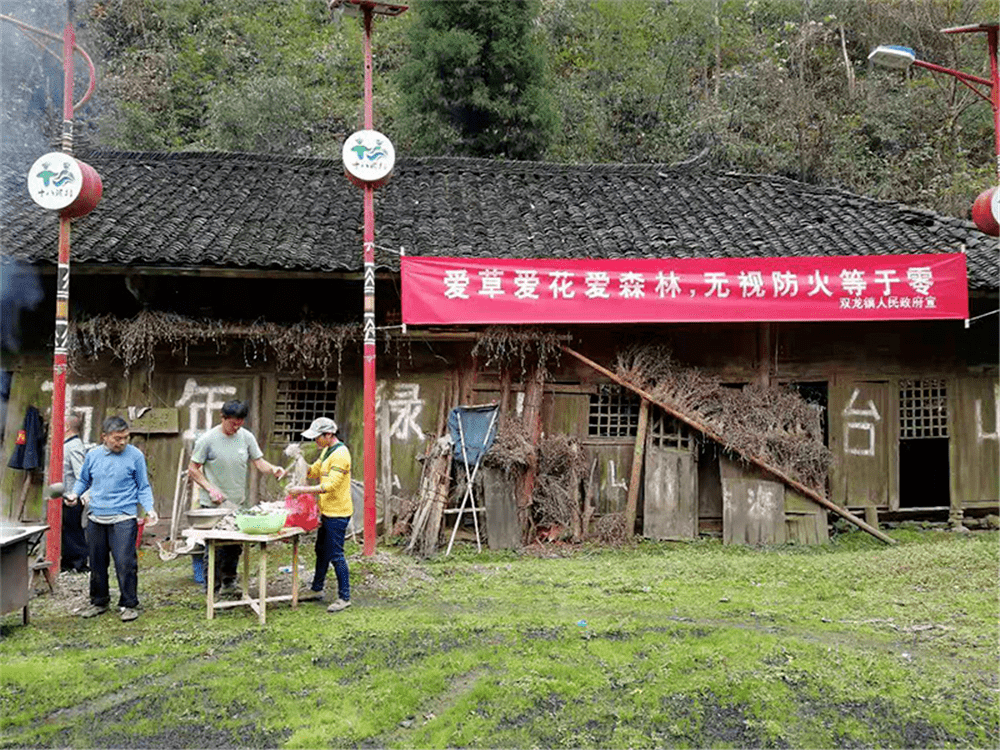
[
  {"x": 369, "y": 313},
  {"x": 53, "y": 540},
  {"x": 991, "y": 45}
]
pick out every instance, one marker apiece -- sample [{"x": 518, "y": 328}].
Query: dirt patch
[
  {"x": 389, "y": 576},
  {"x": 196, "y": 734},
  {"x": 386, "y": 576},
  {"x": 705, "y": 720},
  {"x": 71, "y": 594}
]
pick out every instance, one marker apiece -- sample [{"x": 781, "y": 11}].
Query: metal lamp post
[
  {"x": 368, "y": 160},
  {"x": 74, "y": 189},
  {"x": 899, "y": 57}
]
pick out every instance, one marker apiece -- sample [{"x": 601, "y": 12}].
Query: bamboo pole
[{"x": 708, "y": 432}]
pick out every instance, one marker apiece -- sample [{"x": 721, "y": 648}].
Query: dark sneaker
[
  {"x": 311, "y": 596},
  {"x": 339, "y": 605},
  {"x": 228, "y": 587},
  {"x": 92, "y": 611},
  {"x": 129, "y": 614}
]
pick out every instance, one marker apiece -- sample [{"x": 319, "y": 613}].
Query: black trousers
[
  {"x": 227, "y": 560},
  {"x": 114, "y": 541},
  {"x": 75, "y": 550}
]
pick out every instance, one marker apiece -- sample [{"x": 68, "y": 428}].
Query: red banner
[{"x": 444, "y": 291}]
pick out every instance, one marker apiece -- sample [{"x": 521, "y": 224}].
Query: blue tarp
[{"x": 479, "y": 428}]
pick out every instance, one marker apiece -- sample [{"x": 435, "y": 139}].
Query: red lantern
[
  {"x": 90, "y": 193},
  {"x": 983, "y": 213}
]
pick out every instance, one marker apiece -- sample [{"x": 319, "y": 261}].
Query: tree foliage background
[
  {"x": 474, "y": 82},
  {"x": 762, "y": 86}
]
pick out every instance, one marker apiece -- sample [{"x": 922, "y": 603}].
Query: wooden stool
[{"x": 45, "y": 566}]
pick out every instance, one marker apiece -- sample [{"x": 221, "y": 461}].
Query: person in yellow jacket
[{"x": 333, "y": 470}]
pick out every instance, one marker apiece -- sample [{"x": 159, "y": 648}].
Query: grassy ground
[{"x": 853, "y": 644}]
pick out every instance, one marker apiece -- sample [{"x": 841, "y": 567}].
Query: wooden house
[{"x": 256, "y": 263}]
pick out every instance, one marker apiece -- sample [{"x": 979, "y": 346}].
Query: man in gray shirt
[
  {"x": 219, "y": 464},
  {"x": 74, "y": 541}
]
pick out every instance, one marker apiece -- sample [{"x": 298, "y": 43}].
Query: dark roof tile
[{"x": 301, "y": 214}]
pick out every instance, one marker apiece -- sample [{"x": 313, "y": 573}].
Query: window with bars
[
  {"x": 667, "y": 431},
  {"x": 923, "y": 409},
  {"x": 614, "y": 412},
  {"x": 299, "y": 403}
]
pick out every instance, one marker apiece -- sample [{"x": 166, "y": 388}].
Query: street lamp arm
[
  {"x": 33, "y": 32},
  {"x": 93, "y": 76},
  {"x": 963, "y": 77},
  {"x": 899, "y": 57}
]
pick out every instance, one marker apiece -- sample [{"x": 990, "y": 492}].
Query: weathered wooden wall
[
  {"x": 975, "y": 451},
  {"x": 670, "y": 493},
  {"x": 861, "y": 437},
  {"x": 860, "y": 366},
  {"x": 166, "y": 411}
]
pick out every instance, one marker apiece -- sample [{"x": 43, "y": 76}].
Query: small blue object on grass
[{"x": 582, "y": 623}]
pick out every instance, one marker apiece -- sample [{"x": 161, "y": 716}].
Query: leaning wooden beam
[
  {"x": 176, "y": 510},
  {"x": 710, "y": 433},
  {"x": 638, "y": 451}
]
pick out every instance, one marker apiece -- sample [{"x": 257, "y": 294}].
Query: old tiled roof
[{"x": 242, "y": 211}]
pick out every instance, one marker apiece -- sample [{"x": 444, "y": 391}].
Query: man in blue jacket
[{"x": 115, "y": 474}]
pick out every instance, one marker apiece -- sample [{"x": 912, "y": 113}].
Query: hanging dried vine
[
  {"x": 310, "y": 346},
  {"x": 301, "y": 347},
  {"x": 504, "y": 346}
]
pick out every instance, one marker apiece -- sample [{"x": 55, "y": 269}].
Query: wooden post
[
  {"x": 574, "y": 483},
  {"x": 175, "y": 511},
  {"x": 533, "y": 422},
  {"x": 764, "y": 354},
  {"x": 637, "y": 455},
  {"x": 385, "y": 463},
  {"x": 467, "y": 378},
  {"x": 438, "y": 489},
  {"x": 505, "y": 379},
  {"x": 588, "y": 501},
  {"x": 255, "y": 421}
]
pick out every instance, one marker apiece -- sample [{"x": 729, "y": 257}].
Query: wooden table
[{"x": 213, "y": 538}]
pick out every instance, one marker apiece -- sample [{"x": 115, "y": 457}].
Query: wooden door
[
  {"x": 975, "y": 460},
  {"x": 862, "y": 441},
  {"x": 670, "y": 490}
]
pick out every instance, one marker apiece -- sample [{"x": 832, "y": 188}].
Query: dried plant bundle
[
  {"x": 610, "y": 529},
  {"x": 561, "y": 464},
  {"x": 774, "y": 424},
  {"x": 511, "y": 449}
]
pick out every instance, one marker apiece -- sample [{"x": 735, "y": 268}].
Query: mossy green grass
[{"x": 689, "y": 645}]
